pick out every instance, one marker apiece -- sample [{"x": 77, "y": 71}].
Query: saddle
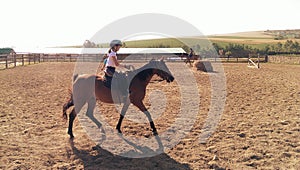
[{"x": 119, "y": 83}]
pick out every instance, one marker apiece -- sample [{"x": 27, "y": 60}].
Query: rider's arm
[
  {"x": 114, "y": 58},
  {"x": 117, "y": 63},
  {"x": 103, "y": 66}
]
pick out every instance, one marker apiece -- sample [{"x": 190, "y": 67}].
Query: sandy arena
[{"x": 259, "y": 128}]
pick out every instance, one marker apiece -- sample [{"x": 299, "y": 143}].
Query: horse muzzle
[{"x": 170, "y": 79}]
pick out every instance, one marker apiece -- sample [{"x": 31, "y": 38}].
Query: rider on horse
[
  {"x": 120, "y": 88},
  {"x": 112, "y": 61}
]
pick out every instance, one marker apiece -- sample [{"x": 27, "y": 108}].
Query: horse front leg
[
  {"x": 122, "y": 114},
  {"x": 151, "y": 122}
]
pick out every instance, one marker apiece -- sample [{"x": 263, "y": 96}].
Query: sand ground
[{"x": 259, "y": 128}]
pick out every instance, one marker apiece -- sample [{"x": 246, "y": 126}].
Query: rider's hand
[{"x": 127, "y": 66}]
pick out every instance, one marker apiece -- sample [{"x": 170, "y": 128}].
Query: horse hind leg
[
  {"x": 66, "y": 106},
  {"x": 90, "y": 111},
  {"x": 72, "y": 116}
]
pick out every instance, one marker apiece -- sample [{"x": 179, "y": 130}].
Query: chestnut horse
[{"x": 84, "y": 92}]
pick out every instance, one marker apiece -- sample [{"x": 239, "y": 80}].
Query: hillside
[
  {"x": 255, "y": 39},
  {"x": 268, "y": 41}
]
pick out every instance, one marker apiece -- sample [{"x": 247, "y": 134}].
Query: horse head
[{"x": 160, "y": 68}]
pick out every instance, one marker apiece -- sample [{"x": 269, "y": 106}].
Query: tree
[
  {"x": 278, "y": 47},
  {"x": 228, "y": 54},
  {"x": 266, "y": 49},
  {"x": 89, "y": 44},
  {"x": 238, "y": 50},
  {"x": 288, "y": 46},
  {"x": 295, "y": 47},
  {"x": 216, "y": 46}
]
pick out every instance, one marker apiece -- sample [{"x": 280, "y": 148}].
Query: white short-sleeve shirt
[{"x": 110, "y": 62}]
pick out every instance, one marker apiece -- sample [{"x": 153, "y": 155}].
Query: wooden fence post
[
  {"x": 42, "y": 57},
  {"x": 258, "y": 60},
  {"x": 266, "y": 58},
  {"x": 22, "y": 59},
  {"x": 6, "y": 63},
  {"x": 15, "y": 60}
]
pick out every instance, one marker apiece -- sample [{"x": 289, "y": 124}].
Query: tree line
[
  {"x": 231, "y": 49},
  {"x": 242, "y": 50},
  {"x": 289, "y": 47}
]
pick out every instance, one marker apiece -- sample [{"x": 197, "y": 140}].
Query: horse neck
[
  {"x": 144, "y": 73},
  {"x": 149, "y": 77}
]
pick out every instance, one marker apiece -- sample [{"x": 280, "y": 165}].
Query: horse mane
[
  {"x": 145, "y": 71},
  {"x": 143, "y": 75}
]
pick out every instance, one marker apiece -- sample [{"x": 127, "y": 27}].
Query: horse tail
[
  {"x": 68, "y": 104},
  {"x": 70, "y": 101}
]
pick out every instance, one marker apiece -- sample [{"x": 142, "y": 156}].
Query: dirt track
[{"x": 259, "y": 128}]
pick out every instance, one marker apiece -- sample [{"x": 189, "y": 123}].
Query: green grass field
[
  {"x": 163, "y": 42},
  {"x": 254, "y": 39}
]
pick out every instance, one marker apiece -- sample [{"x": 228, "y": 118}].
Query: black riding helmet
[{"x": 114, "y": 43}]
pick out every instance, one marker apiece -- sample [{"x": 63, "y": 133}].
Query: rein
[{"x": 130, "y": 74}]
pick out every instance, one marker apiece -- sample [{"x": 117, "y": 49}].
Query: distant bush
[
  {"x": 238, "y": 50},
  {"x": 279, "y": 38}
]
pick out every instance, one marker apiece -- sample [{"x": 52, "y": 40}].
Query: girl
[{"x": 112, "y": 61}]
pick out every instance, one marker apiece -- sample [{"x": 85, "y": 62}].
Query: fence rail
[{"x": 13, "y": 60}]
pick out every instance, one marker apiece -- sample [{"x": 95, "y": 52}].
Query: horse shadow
[
  {"x": 212, "y": 72},
  {"x": 100, "y": 158}
]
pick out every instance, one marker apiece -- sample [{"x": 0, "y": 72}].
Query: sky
[{"x": 49, "y": 23}]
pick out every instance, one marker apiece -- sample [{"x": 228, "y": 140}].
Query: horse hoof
[
  {"x": 71, "y": 135},
  {"x": 119, "y": 131}
]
